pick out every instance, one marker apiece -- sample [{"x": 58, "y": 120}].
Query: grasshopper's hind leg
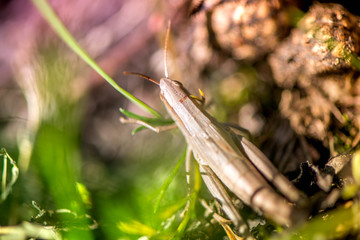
[{"x": 268, "y": 170}]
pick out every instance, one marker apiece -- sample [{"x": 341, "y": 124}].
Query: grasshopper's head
[
  {"x": 166, "y": 83},
  {"x": 172, "y": 92}
]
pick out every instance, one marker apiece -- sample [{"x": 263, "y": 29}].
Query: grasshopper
[{"x": 226, "y": 158}]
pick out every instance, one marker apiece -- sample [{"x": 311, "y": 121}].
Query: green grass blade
[
  {"x": 138, "y": 129},
  {"x": 4, "y": 173},
  {"x": 50, "y": 16},
  {"x": 193, "y": 198},
  {"x": 150, "y": 121},
  {"x": 168, "y": 180},
  {"x": 7, "y": 185}
]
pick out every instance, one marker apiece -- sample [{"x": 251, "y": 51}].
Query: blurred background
[
  {"x": 83, "y": 172},
  {"x": 60, "y": 120}
]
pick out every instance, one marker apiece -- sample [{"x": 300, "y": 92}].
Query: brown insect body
[{"x": 216, "y": 146}]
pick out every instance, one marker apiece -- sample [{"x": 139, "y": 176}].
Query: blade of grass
[
  {"x": 168, "y": 180},
  {"x": 146, "y": 122},
  {"x": 138, "y": 129},
  {"x": 6, "y": 188},
  {"x": 151, "y": 121},
  {"x": 193, "y": 197},
  {"x": 4, "y": 172},
  {"x": 50, "y": 16}
]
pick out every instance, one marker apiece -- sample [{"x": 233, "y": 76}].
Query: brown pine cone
[{"x": 317, "y": 65}]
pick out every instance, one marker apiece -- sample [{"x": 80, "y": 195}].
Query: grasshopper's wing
[
  {"x": 218, "y": 191},
  {"x": 270, "y": 172}
]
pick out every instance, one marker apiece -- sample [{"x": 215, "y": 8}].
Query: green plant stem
[
  {"x": 7, "y": 186},
  {"x": 3, "y": 179},
  {"x": 193, "y": 197},
  {"x": 169, "y": 180},
  {"x": 50, "y": 16}
]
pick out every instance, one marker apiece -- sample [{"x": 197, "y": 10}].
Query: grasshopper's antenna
[
  {"x": 142, "y": 76},
  {"x": 166, "y": 47}
]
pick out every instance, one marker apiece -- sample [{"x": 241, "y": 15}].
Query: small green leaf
[
  {"x": 136, "y": 228},
  {"x": 138, "y": 129},
  {"x": 84, "y": 193}
]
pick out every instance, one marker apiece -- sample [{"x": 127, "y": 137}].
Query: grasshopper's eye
[{"x": 177, "y": 83}]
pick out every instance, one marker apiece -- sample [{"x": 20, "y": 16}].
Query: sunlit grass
[{"x": 334, "y": 224}]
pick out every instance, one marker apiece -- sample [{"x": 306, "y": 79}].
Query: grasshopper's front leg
[
  {"x": 218, "y": 191},
  {"x": 223, "y": 222},
  {"x": 156, "y": 129}
]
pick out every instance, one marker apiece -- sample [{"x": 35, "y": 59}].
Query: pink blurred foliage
[{"x": 110, "y": 31}]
